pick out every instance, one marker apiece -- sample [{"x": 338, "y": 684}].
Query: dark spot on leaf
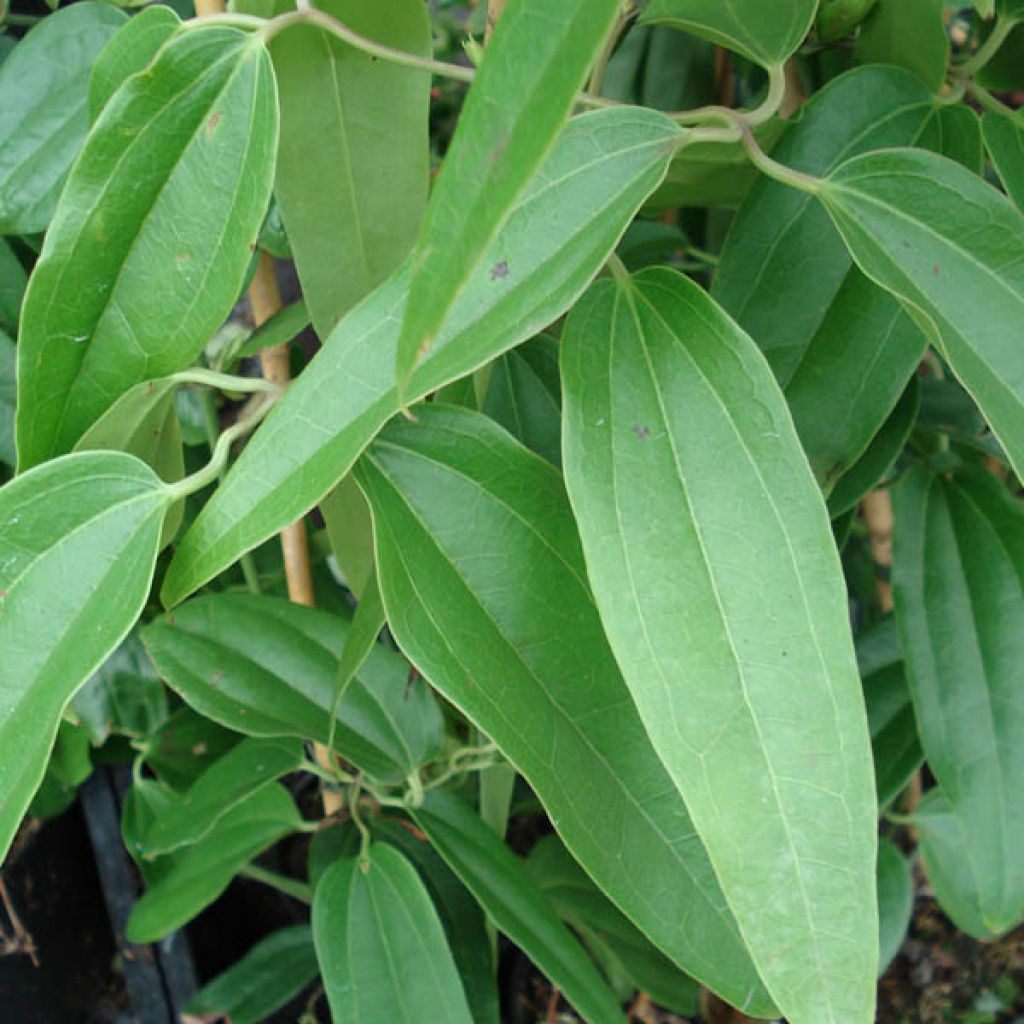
[
  {"x": 642, "y": 432},
  {"x": 936, "y": 269},
  {"x": 217, "y": 676},
  {"x": 500, "y": 270},
  {"x": 212, "y": 121}
]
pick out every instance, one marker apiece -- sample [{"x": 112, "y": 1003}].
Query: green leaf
[
  {"x": 476, "y": 610},
  {"x": 958, "y": 580},
  {"x": 895, "y": 901},
  {"x": 231, "y": 779},
  {"x": 848, "y": 387},
  {"x": 140, "y": 267},
  {"x": 930, "y": 231},
  {"x": 43, "y": 116},
  {"x": 202, "y": 872},
  {"x": 524, "y": 395},
  {"x": 534, "y": 65},
  {"x": 460, "y": 914},
  {"x": 838, "y": 18},
  {"x": 954, "y": 130},
  {"x": 896, "y": 748},
  {"x": 582, "y": 904},
  {"x": 12, "y": 287},
  {"x": 721, "y": 592},
  {"x": 382, "y": 951},
  {"x": 280, "y": 329},
  {"x": 275, "y": 970},
  {"x": 504, "y": 888},
  {"x": 764, "y": 280},
  {"x": 130, "y": 50},
  {"x": 1004, "y": 138},
  {"x": 69, "y": 766},
  {"x": 354, "y": 161},
  {"x": 601, "y": 170},
  {"x": 184, "y": 746},
  {"x": 8, "y": 360},
  {"x": 350, "y": 531},
  {"x": 144, "y": 422},
  {"x": 879, "y": 457},
  {"x": 124, "y": 697},
  {"x": 766, "y": 33},
  {"x": 946, "y": 856},
  {"x": 910, "y": 34},
  {"x": 78, "y": 546},
  {"x": 268, "y": 668}
]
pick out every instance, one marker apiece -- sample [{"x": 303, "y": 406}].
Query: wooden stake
[
  {"x": 877, "y": 508},
  {"x": 494, "y": 9},
  {"x": 714, "y": 1011}
]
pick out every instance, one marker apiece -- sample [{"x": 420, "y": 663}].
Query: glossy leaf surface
[
  {"x": 929, "y": 231},
  {"x": 910, "y": 34},
  {"x": 140, "y": 267},
  {"x": 268, "y": 976},
  {"x": 475, "y": 611},
  {"x": 43, "y": 116},
  {"x": 766, "y": 33},
  {"x": 535, "y": 63},
  {"x": 354, "y": 160},
  {"x": 232, "y": 778},
  {"x": 129, "y": 51},
  {"x": 382, "y": 951},
  {"x": 268, "y": 668},
  {"x": 78, "y": 544},
  {"x": 512, "y": 900},
  {"x": 461, "y": 915},
  {"x": 582, "y": 904},
  {"x": 201, "y": 873},
  {"x": 959, "y": 588},
  {"x": 717, "y": 578},
  {"x": 784, "y": 265},
  {"x": 560, "y": 234}
]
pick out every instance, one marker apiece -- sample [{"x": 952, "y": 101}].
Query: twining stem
[
  {"x": 223, "y": 381},
  {"x": 988, "y": 49},
  {"x": 759, "y": 115},
  {"x": 986, "y": 100}
]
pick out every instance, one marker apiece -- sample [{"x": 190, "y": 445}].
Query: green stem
[
  {"x": 306, "y": 15},
  {"x": 988, "y": 49},
  {"x": 218, "y": 459},
  {"x": 986, "y": 100},
  {"x": 765, "y": 164},
  {"x": 224, "y": 381},
  {"x": 20, "y": 20},
  {"x": 289, "y": 886},
  {"x": 618, "y": 269},
  {"x": 768, "y": 108}
]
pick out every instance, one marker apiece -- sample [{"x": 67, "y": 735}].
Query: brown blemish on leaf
[
  {"x": 642, "y": 432},
  {"x": 212, "y": 121},
  {"x": 500, "y": 270}
]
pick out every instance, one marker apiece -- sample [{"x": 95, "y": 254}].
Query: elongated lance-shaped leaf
[
  {"x": 501, "y": 620},
  {"x": 191, "y": 881},
  {"x": 461, "y": 915},
  {"x": 720, "y": 589},
  {"x": 383, "y": 955},
  {"x": 246, "y": 768},
  {"x": 267, "y": 668},
  {"x": 43, "y": 117},
  {"x": 130, "y": 50},
  {"x": 605, "y": 929},
  {"x": 275, "y": 970},
  {"x": 354, "y": 161},
  {"x": 767, "y": 33},
  {"x": 931, "y": 232},
  {"x": 78, "y": 544},
  {"x": 504, "y": 888},
  {"x": 151, "y": 240},
  {"x": 895, "y": 901},
  {"x": 959, "y": 589},
  {"x": 558, "y": 237},
  {"x": 535, "y": 63}
]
